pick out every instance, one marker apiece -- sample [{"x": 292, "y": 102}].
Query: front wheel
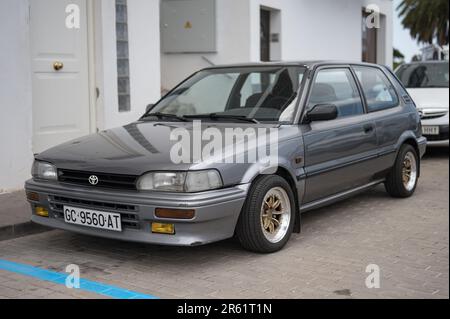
[
  {"x": 267, "y": 219},
  {"x": 403, "y": 178}
]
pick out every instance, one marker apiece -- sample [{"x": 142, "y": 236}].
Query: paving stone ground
[
  {"x": 14, "y": 209},
  {"x": 408, "y": 240}
]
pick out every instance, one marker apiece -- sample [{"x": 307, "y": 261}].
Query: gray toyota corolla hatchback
[{"x": 239, "y": 150}]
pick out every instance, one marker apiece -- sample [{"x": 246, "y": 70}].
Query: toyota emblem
[{"x": 93, "y": 180}]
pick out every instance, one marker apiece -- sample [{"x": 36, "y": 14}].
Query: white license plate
[
  {"x": 92, "y": 218},
  {"x": 430, "y": 130}
]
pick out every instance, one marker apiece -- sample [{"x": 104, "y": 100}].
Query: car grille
[
  {"x": 126, "y": 182},
  {"x": 129, "y": 213},
  {"x": 433, "y": 114}
]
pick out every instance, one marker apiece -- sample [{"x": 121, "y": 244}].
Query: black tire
[
  {"x": 394, "y": 184},
  {"x": 249, "y": 230}
]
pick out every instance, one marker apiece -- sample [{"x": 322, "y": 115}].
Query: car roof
[{"x": 308, "y": 63}]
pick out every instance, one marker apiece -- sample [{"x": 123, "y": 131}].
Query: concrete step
[{"x": 15, "y": 217}]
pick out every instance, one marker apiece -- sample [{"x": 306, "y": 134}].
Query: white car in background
[{"x": 427, "y": 83}]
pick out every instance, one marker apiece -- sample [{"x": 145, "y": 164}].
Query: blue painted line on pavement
[{"x": 60, "y": 278}]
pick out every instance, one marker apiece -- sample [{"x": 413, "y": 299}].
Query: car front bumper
[
  {"x": 440, "y": 143},
  {"x": 216, "y": 212},
  {"x": 443, "y": 138}
]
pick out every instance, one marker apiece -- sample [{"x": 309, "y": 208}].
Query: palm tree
[{"x": 427, "y": 20}]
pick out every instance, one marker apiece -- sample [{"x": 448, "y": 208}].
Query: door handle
[
  {"x": 58, "y": 65},
  {"x": 368, "y": 128}
]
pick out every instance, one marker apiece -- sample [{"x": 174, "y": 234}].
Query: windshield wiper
[
  {"x": 164, "y": 115},
  {"x": 215, "y": 116}
]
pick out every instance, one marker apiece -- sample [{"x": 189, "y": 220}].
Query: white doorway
[{"x": 60, "y": 73}]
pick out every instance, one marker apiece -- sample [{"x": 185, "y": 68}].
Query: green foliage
[
  {"x": 427, "y": 20},
  {"x": 399, "y": 58},
  {"x": 398, "y": 54}
]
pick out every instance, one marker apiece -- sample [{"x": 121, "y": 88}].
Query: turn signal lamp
[
  {"x": 32, "y": 196},
  {"x": 160, "y": 228},
  {"x": 174, "y": 213},
  {"x": 41, "y": 211}
]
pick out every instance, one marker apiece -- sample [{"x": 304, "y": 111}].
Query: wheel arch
[
  {"x": 284, "y": 173},
  {"x": 411, "y": 140}
]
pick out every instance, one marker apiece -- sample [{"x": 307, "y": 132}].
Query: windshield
[
  {"x": 424, "y": 75},
  {"x": 254, "y": 93}
]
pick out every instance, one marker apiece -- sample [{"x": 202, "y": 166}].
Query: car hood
[
  {"x": 138, "y": 148},
  {"x": 430, "y": 98}
]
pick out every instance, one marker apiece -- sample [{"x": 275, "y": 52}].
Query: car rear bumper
[{"x": 216, "y": 212}]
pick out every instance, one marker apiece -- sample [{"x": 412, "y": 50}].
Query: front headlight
[
  {"x": 162, "y": 181},
  {"x": 179, "y": 182},
  {"x": 42, "y": 170},
  {"x": 202, "y": 180}
]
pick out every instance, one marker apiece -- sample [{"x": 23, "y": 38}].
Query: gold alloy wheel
[
  {"x": 275, "y": 214},
  {"x": 409, "y": 171}
]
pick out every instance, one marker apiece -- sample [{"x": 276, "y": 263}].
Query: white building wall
[
  {"x": 310, "y": 30},
  {"x": 15, "y": 77},
  {"x": 322, "y": 29},
  {"x": 144, "y": 55},
  {"x": 233, "y": 33},
  {"x": 15, "y": 95},
  {"x": 314, "y": 30}
]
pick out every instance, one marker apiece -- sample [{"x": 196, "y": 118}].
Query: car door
[
  {"x": 339, "y": 153},
  {"x": 388, "y": 111}
]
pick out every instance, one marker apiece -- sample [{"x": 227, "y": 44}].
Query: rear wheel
[
  {"x": 403, "y": 178},
  {"x": 267, "y": 219}
]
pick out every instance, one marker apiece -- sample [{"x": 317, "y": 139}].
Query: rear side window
[
  {"x": 378, "y": 90},
  {"x": 338, "y": 87}
]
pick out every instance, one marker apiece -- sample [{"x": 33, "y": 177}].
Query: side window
[
  {"x": 338, "y": 87},
  {"x": 379, "y": 92}
]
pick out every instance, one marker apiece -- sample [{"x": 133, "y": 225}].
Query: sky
[{"x": 402, "y": 40}]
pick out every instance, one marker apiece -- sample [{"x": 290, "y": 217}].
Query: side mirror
[
  {"x": 322, "y": 112},
  {"x": 149, "y": 107}
]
